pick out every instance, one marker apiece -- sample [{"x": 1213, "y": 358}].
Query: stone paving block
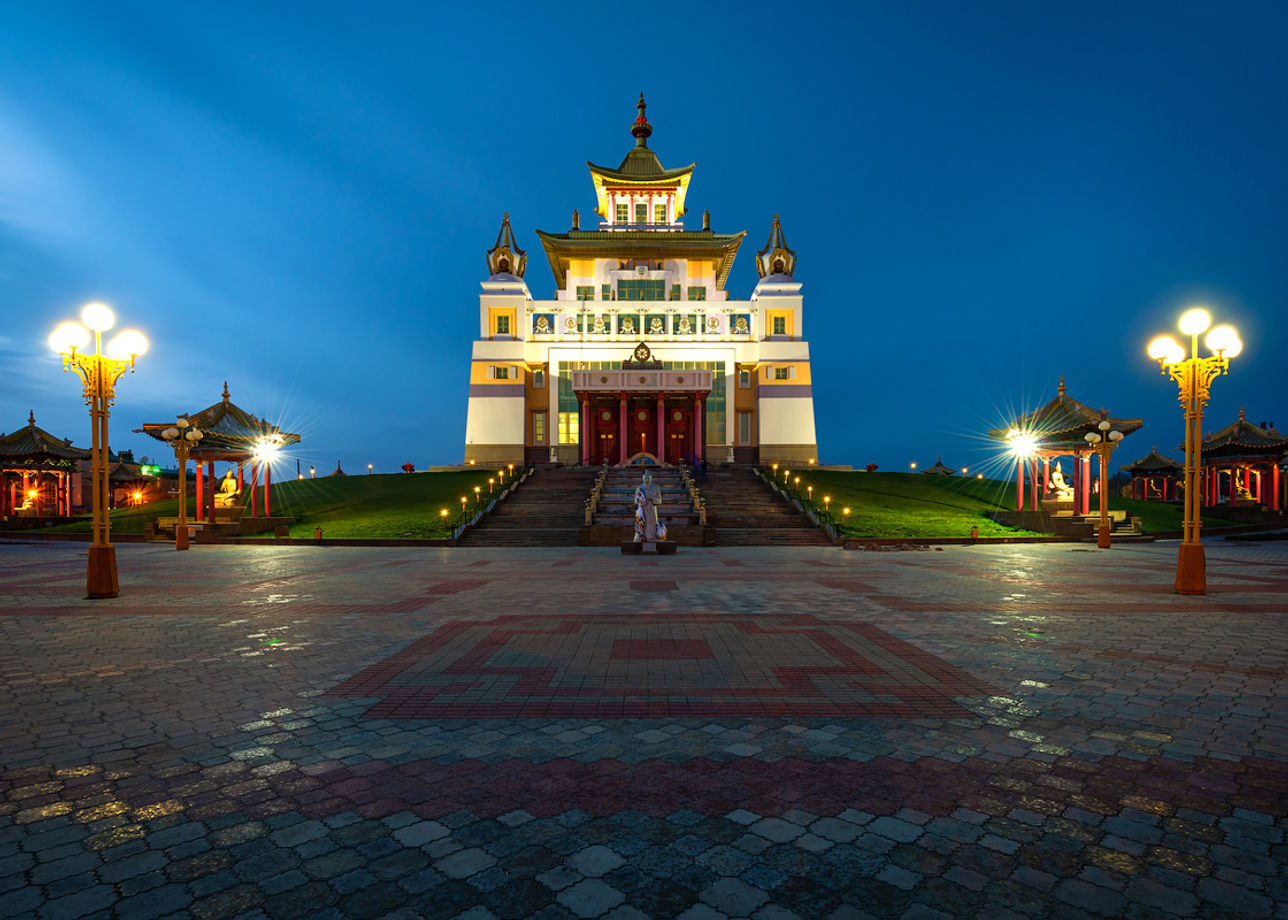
[
  {"x": 590, "y": 898},
  {"x": 420, "y": 833},
  {"x": 464, "y": 863},
  {"x": 894, "y": 829},
  {"x": 595, "y": 861},
  {"x": 776, "y": 829},
  {"x": 734, "y": 897}
]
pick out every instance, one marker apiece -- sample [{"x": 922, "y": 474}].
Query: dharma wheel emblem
[{"x": 642, "y": 354}]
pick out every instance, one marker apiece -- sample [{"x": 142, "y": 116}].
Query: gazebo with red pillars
[
  {"x": 1154, "y": 477},
  {"x": 230, "y": 435},
  {"x": 37, "y": 472},
  {"x": 1241, "y": 464},
  {"x": 1057, "y": 430}
]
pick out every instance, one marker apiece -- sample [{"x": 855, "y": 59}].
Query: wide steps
[{"x": 546, "y": 510}]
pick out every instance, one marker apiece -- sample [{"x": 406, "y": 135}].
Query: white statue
[
  {"x": 1059, "y": 489},
  {"x": 648, "y": 499}
]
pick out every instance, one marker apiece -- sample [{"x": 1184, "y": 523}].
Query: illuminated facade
[{"x": 641, "y": 350}]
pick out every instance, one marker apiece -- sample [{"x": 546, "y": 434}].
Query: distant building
[{"x": 641, "y": 350}]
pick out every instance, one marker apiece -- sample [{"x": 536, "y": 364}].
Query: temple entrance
[
  {"x": 606, "y": 430},
  {"x": 679, "y": 434},
  {"x": 641, "y": 428}
]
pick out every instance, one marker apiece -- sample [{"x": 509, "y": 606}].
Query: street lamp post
[
  {"x": 1104, "y": 441},
  {"x": 183, "y": 437},
  {"x": 1194, "y": 376},
  {"x": 99, "y": 372}
]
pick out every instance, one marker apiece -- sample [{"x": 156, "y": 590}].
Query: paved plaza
[{"x": 1039, "y": 730}]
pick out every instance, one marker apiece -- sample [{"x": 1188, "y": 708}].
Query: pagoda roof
[
  {"x": 35, "y": 445},
  {"x": 1153, "y": 462},
  {"x": 939, "y": 469},
  {"x": 561, "y": 248},
  {"x": 640, "y": 168},
  {"x": 1062, "y": 422},
  {"x": 1243, "y": 439},
  {"x": 226, "y": 427}
]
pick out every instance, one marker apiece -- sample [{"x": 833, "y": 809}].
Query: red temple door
[
  {"x": 605, "y": 426},
  {"x": 641, "y": 429},
  {"x": 679, "y": 432}
]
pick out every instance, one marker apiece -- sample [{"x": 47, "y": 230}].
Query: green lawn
[
  {"x": 893, "y": 505},
  {"x": 376, "y": 506}
]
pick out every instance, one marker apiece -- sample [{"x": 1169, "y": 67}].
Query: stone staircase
[
  {"x": 547, "y": 510},
  {"x": 614, "y": 519},
  {"x": 744, "y": 511}
]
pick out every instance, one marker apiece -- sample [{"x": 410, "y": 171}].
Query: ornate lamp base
[
  {"x": 1191, "y": 570},
  {"x": 100, "y": 580},
  {"x": 1102, "y": 536},
  {"x": 180, "y": 536}
]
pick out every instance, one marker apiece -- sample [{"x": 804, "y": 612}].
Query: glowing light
[
  {"x": 31, "y": 493},
  {"x": 963, "y": 471},
  {"x": 1166, "y": 349},
  {"x": 266, "y": 451},
  {"x": 442, "y": 513},
  {"x": 138, "y": 496},
  {"x": 912, "y": 466},
  {"x": 1023, "y": 445},
  {"x": 1224, "y": 341},
  {"x": 128, "y": 344},
  {"x": 845, "y": 511},
  {"x": 98, "y": 316},
  {"x": 1196, "y": 321},
  {"x": 979, "y": 475},
  {"x": 68, "y": 337}
]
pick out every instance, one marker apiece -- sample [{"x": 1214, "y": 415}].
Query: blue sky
[{"x": 297, "y": 198}]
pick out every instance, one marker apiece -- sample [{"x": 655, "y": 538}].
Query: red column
[
  {"x": 254, "y": 475},
  {"x": 1086, "y": 484},
  {"x": 1274, "y": 485},
  {"x": 1019, "y": 483},
  {"x": 268, "y": 507},
  {"x": 210, "y": 474},
  {"x": 661, "y": 429},
  {"x": 621, "y": 428},
  {"x": 198, "y": 494},
  {"x": 1046, "y": 475},
  {"x": 585, "y": 430},
  {"x": 241, "y": 479},
  {"x": 1033, "y": 484}
]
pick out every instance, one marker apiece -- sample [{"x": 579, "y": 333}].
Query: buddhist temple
[
  {"x": 1241, "y": 465},
  {"x": 1057, "y": 430},
  {"x": 1154, "y": 478},
  {"x": 234, "y": 436},
  {"x": 39, "y": 473},
  {"x": 642, "y": 354}
]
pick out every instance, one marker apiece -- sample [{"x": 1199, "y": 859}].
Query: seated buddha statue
[
  {"x": 228, "y": 491},
  {"x": 1058, "y": 489}
]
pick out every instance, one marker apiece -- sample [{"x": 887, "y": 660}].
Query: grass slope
[
  {"x": 375, "y": 506},
  {"x": 915, "y": 505}
]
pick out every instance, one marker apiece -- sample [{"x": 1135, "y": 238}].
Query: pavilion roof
[
  {"x": 1153, "y": 462},
  {"x": 226, "y": 426},
  {"x": 1244, "y": 439},
  {"x": 34, "y": 445},
  {"x": 939, "y": 469},
  {"x": 720, "y": 248},
  {"x": 640, "y": 168},
  {"x": 1063, "y": 422}
]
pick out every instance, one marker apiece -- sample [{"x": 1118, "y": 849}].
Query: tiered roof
[
  {"x": 1243, "y": 439},
  {"x": 227, "y": 428},
  {"x": 640, "y": 169},
  {"x": 34, "y": 447},
  {"x": 939, "y": 469},
  {"x": 1153, "y": 464},
  {"x": 1063, "y": 422}
]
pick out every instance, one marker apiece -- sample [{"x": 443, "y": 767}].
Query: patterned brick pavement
[{"x": 1025, "y": 731}]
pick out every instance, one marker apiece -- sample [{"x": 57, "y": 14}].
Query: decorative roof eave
[
  {"x": 1154, "y": 464},
  {"x": 939, "y": 469},
  {"x": 226, "y": 428},
  {"x": 606, "y": 179},
  {"x": 1062, "y": 423},
  {"x": 35, "y": 445},
  {"x": 591, "y": 244},
  {"x": 1244, "y": 439}
]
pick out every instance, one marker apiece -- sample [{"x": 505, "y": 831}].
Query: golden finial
[
  {"x": 1060, "y": 389},
  {"x": 31, "y": 418},
  {"x": 225, "y": 391}
]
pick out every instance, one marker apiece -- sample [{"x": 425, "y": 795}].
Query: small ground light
[
  {"x": 368, "y": 469},
  {"x": 979, "y": 475},
  {"x": 490, "y": 480},
  {"x": 810, "y": 490},
  {"x": 913, "y": 465},
  {"x": 846, "y": 512},
  {"x": 963, "y": 471},
  {"x": 312, "y": 472}
]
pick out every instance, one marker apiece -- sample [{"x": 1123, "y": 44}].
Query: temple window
[
  {"x": 779, "y": 325},
  {"x": 569, "y": 428},
  {"x": 606, "y": 292},
  {"x": 623, "y": 214},
  {"x": 744, "y": 379},
  {"x": 641, "y": 289},
  {"x": 538, "y": 428},
  {"x": 782, "y": 373},
  {"x": 744, "y": 427},
  {"x": 538, "y": 378},
  {"x": 675, "y": 292},
  {"x": 697, "y": 293},
  {"x": 659, "y": 213},
  {"x": 641, "y": 213},
  {"x": 501, "y": 372},
  {"x": 585, "y": 292}
]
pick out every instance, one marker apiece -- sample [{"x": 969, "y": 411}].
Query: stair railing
[
  {"x": 592, "y": 503},
  {"x": 699, "y": 503}
]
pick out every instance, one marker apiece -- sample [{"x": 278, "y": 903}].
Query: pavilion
[
  {"x": 1057, "y": 430},
  {"x": 939, "y": 469},
  {"x": 231, "y": 435},
  {"x": 1154, "y": 477},
  {"x": 1241, "y": 463},
  {"x": 39, "y": 473}
]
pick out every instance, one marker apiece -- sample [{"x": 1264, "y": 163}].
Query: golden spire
[
  {"x": 1060, "y": 389},
  {"x": 31, "y": 418},
  {"x": 641, "y": 129},
  {"x": 225, "y": 391}
]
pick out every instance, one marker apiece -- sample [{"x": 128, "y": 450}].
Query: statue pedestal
[
  {"x": 1058, "y": 507},
  {"x": 647, "y": 548}
]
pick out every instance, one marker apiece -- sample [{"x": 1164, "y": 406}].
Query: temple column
[
  {"x": 210, "y": 506},
  {"x": 268, "y": 506},
  {"x": 585, "y": 429},
  {"x": 1033, "y": 484},
  {"x": 1086, "y": 484},
  {"x": 241, "y": 480},
  {"x": 254, "y": 475},
  {"x": 1257, "y": 479},
  {"x": 1019, "y": 483},
  {"x": 1046, "y": 475},
  {"x": 661, "y": 428},
  {"x": 1274, "y": 485},
  {"x": 197, "y": 493},
  {"x": 700, "y": 429},
  {"x": 621, "y": 428}
]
